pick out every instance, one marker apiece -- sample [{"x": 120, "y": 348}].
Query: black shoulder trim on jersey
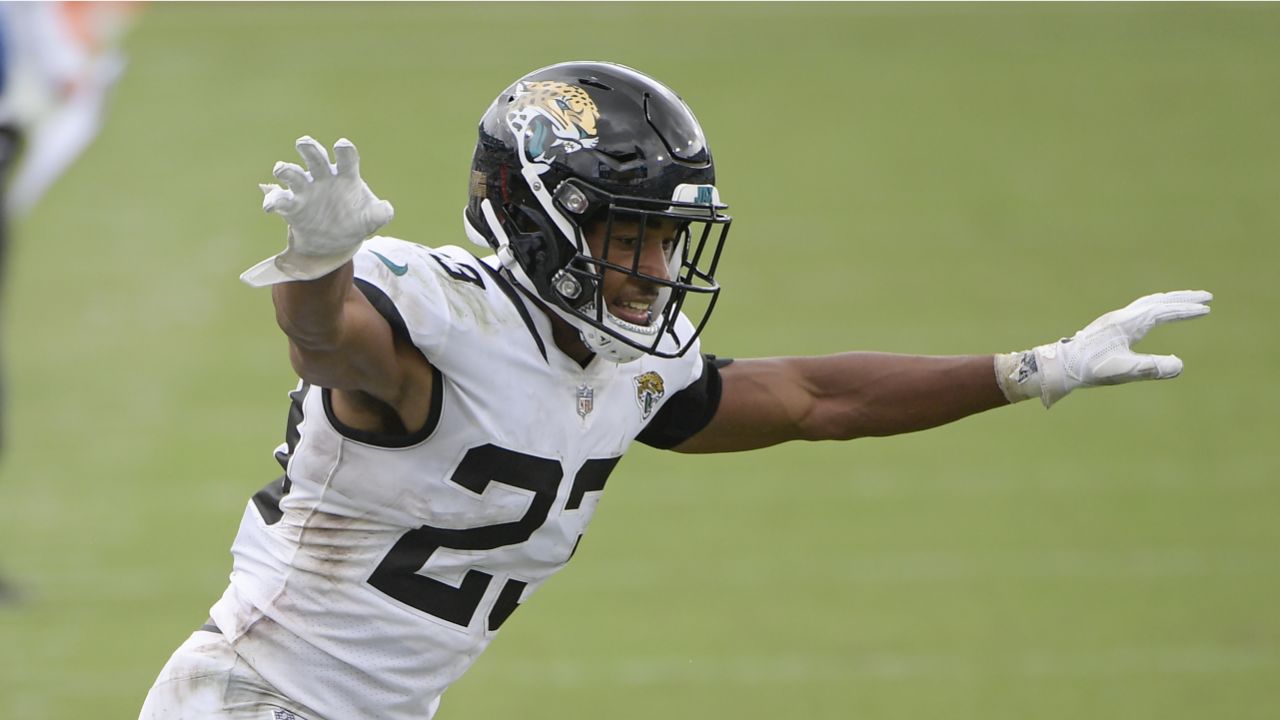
[
  {"x": 401, "y": 439},
  {"x": 267, "y": 500},
  {"x": 689, "y": 410},
  {"x": 385, "y": 307},
  {"x": 514, "y": 297}
]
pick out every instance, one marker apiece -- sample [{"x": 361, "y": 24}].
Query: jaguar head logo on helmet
[
  {"x": 594, "y": 185},
  {"x": 549, "y": 118}
]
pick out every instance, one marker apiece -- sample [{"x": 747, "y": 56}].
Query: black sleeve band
[{"x": 689, "y": 410}]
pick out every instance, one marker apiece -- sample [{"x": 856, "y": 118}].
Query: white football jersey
[{"x": 378, "y": 569}]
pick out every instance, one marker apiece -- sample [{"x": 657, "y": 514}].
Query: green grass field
[{"x": 916, "y": 178}]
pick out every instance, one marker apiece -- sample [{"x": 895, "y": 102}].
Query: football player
[{"x": 457, "y": 418}]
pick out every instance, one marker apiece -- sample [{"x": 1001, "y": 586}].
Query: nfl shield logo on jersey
[
  {"x": 586, "y": 400},
  {"x": 649, "y": 390}
]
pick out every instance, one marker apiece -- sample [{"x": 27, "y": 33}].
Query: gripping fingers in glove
[
  {"x": 328, "y": 206},
  {"x": 1102, "y": 355},
  {"x": 330, "y": 210}
]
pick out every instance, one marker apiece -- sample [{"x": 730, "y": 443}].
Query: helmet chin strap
[{"x": 605, "y": 345}]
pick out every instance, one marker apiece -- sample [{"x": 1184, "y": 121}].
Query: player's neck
[
  {"x": 565, "y": 336},
  {"x": 569, "y": 340}
]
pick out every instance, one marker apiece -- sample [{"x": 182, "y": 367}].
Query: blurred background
[{"x": 917, "y": 178}]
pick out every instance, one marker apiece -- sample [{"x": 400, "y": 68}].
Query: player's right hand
[{"x": 328, "y": 207}]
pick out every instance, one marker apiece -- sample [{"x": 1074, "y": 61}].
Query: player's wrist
[
  {"x": 1036, "y": 373},
  {"x": 314, "y": 260},
  {"x": 323, "y": 244},
  {"x": 300, "y": 262},
  {"x": 1017, "y": 376}
]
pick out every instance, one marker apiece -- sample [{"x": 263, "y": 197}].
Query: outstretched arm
[
  {"x": 337, "y": 339},
  {"x": 839, "y": 397},
  {"x": 767, "y": 401}
]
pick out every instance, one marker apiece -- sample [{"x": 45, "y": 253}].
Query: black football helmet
[{"x": 592, "y": 144}]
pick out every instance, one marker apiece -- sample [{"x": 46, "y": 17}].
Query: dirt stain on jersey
[
  {"x": 339, "y": 549},
  {"x": 465, "y": 289}
]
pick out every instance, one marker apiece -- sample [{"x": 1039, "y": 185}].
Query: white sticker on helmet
[{"x": 704, "y": 195}]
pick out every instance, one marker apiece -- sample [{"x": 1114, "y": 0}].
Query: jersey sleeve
[
  {"x": 689, "y": 410},
  {"x": 405, "y": 287}
]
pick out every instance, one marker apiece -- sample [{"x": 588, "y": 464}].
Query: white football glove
[
  {"x": 1099, "y": 354},
  {"x": 329, "y": 209}
]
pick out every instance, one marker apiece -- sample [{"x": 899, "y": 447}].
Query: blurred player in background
[
  {"x": 58, "y": 62},
  {"x": 63, "y": 58},
  {"x": 457, "y": 418}
]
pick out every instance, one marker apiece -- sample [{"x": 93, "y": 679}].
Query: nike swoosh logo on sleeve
[{"x": 395, "y": 268}]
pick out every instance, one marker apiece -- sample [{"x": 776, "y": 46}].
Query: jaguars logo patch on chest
[{"x": 649, "y": 390}]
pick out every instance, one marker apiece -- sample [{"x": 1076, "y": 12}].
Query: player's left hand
[{"x": 1101, "y": 353}]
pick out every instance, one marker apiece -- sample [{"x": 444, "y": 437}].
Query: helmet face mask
[
  {"x": 691, "y": 237},
  {"x": 568, "y": 156}
]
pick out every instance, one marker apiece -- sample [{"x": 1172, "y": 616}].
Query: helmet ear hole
[
  {"x": 546, "y": 257},
  {"x": 534, "y": 241}
]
